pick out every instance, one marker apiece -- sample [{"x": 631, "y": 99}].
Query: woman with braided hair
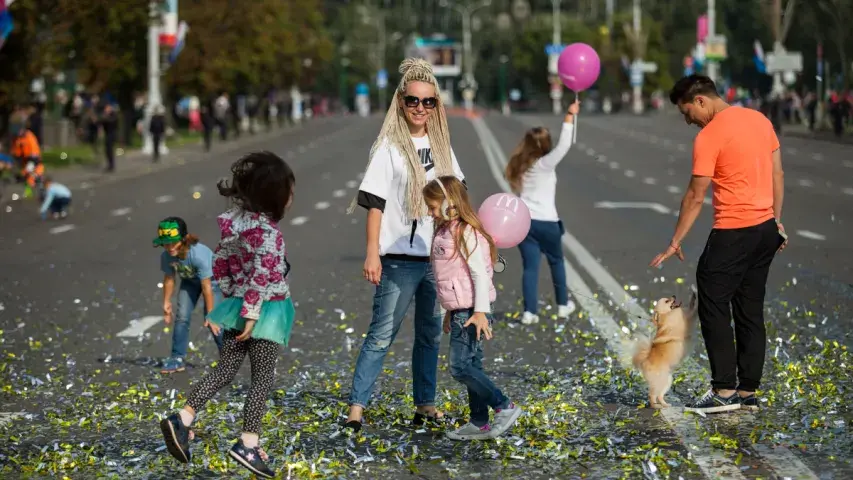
[{"x": 413, "y": 147}]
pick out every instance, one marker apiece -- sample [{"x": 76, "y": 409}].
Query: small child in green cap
[{"x": 185, "y": 257}]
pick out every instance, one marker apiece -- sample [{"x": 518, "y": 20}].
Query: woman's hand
[
  {"x": 247, "y": 331},
  {"x": 167, "y": 312},
  {"x": 372, "y": 268},
  {"x": 481, "y": 323},
  {"x": 446, "y": 325}
]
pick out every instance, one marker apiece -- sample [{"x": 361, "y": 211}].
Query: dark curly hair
[{"x": 262, "y": 183}]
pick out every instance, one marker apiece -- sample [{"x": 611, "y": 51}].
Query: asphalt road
[{"x": 81, "y": 341}]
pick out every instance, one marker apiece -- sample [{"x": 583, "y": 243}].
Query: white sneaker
[
  {"x": 504, "y": 419},
  {"x": 529, "y": 318},
  {"x": 563, "y": 311}
]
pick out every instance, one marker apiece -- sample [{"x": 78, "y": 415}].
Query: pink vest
[{"x": 452, "y": 278}]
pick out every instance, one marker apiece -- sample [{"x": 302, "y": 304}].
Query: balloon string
[{"x": 575, "y": 130}]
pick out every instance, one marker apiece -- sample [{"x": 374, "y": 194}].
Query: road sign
[
  {"x": 515, "y": 94},
  {"x": 715, "y": 48},
  {"x": 784, "y": 61},
  {"x": 362, "y": 89},
  {"x": 645, "y": 67},
  {"x": 382, "y": 78},
  {"x": 552, "y": 49},
  {"x": 636, "y": 77}
]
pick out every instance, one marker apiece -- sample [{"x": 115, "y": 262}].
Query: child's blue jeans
[{"x": 466, "y": 366}]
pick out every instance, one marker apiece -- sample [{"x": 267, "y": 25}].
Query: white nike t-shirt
[{"x": 387, "y": 178}]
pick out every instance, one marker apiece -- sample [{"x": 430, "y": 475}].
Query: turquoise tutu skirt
[{"x": 274, "y": 324}]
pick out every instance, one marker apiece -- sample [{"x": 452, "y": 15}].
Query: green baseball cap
[{"x": 170, "y": 230}]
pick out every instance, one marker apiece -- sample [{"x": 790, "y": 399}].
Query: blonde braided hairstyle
[{"x": 395, "y": 131}]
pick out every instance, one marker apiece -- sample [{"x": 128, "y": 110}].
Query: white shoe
[
  {"x": 529, "y": 318},
  {"x": 563, "y": 311}
]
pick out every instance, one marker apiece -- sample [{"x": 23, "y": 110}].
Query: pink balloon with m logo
[{"x": 505, "y": 218}]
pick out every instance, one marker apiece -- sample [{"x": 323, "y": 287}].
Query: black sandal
[{"x": 425, "y": 419}]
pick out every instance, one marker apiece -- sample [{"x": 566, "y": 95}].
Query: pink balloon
[
  {"x": 506, "y": 218},
  {"x": 578, "y": 66}
]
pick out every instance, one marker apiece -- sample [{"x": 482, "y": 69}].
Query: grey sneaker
[
  {"x": 504, "y": 419},
  {"x": 713, "y": 403},
  {"x": 469, "y": 431}
]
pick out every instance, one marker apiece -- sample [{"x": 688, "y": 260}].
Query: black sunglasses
[{"x": 412, "y": 101}]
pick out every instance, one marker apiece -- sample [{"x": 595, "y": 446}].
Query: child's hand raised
[{"x": 481, "y": 323}]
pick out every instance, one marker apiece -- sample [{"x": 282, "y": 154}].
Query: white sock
[
  {"x": 250, "y": 440},
  {"x": 186, "y": 417}
]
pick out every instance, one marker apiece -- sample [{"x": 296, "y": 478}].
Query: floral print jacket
[{"x": 251, "y": 260}]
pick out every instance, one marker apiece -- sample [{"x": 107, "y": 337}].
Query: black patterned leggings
[{"x": 262, "y": 357}]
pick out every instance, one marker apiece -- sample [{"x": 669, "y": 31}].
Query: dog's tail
[{"x": 640, "y": 350}]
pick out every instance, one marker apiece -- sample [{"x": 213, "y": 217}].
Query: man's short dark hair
[{"x": 686, "y": 89}]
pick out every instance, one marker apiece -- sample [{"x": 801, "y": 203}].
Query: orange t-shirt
[{"x": 736, "y": 150}]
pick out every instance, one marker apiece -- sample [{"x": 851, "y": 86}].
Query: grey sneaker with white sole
[
  {"x": 504, "y": 419},
  {"x": 469, "y": 431}
]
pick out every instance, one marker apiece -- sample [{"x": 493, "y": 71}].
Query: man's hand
[
  {"x": 670, "y": 251},
  {"x": 783, "y": 235}
]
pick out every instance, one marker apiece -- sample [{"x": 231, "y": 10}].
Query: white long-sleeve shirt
[
  {"x": 479, "y": 274},
  {"x": 539, "y": 183}
]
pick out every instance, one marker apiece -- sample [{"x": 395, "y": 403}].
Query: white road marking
[
  {"x": 847, "y": 163},
  {"x": 164, "y": 199},
  {"x": 62, "y": 229},
  {"x": 321, "y": 205},
  {"x": 630, "y": 173},
  {"x": 360, "y": 176},
  {"x": 352, "y": 184},
  {"x": 673, "y": 189},
  {"x": 653, "y": 139},
  {"x": 817, "y": 157},
  {"x": 713, "y": 463},
  {"x": 121, "y": 211},
  {"x": 811, "y": 235},
  {"x": 140, "y": 325},
  {"x": 792, "y": 151},
  {"x": 707, "y": 201},
  {"x": 197, "y": 188},
  {"x": 339, "y": 193},
  {"x": 682, "y": 147},
  {"x": 847, "y": 191},
  {"x": 614, "y": 165},
  {"x": 650, "y": 181},
  {"x": 302, "y": 149},
  {"x": 85, "y": 185},
  {"x": 647, "y": 205},
  {"x": 602, "y": 158},
  {"x": 299, "y": 221},
  {"x": 804, "y": 182},
  {"x": 590, "y": 152}
]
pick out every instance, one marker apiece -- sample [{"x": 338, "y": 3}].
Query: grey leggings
[{"x": 262, "y": 357}]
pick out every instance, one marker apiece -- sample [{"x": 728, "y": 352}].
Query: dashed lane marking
[
  {"x": 352, "y": 184},
  {"x": 62, "y": 229},
  {"x": 650, "y": 181},
  {"x": 140, "y": 325},
  {"x": 321, "y": 205},
  {"x": 339, "y": 193},
  {"x": 673, "y": 189},
  {"x": 164, "y": 199},
  {"x": 811, "y": 235},
  {"x": 299, "y": 221},
  {"x": 118, "y": 212}
]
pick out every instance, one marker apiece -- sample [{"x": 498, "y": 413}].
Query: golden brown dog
[{"x": 658, "y": 357}]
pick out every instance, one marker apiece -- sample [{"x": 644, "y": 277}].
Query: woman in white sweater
[{"x": 531, "y": 173}]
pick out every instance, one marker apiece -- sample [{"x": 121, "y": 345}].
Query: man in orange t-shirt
[{"x": 737, "y": 151}]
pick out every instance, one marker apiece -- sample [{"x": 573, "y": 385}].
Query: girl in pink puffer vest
[{"x": 462, "y": 258}]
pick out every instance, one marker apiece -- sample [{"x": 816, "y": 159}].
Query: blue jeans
[
  {"x": 188, "y": 295},
  {"x": 401, "y": 282},
  {"x": 466, "y": 366},
  {"x": 543, "y": 237}
]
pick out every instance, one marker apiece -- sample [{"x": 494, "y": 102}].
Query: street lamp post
[
  {"x": 503, "y": 80},
  {"x": 467, "y": 12},
  {"x": 154, "y": 96},
  {"x": 557, "y": 94}
]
